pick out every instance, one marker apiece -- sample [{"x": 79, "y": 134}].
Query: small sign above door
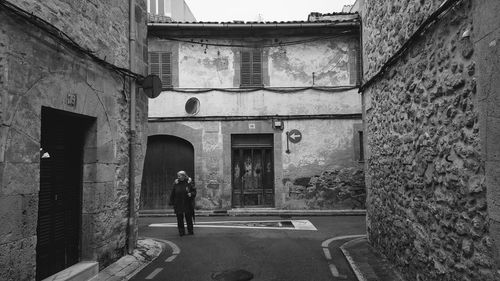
[{"x": 295, "y": 136}]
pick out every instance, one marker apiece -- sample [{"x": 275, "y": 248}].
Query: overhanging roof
[{"x": 341, "y": 22}]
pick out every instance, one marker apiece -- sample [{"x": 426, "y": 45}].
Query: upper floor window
[
  {"x": 160, "y": 63},
  {"x": 251, "y": 68}
]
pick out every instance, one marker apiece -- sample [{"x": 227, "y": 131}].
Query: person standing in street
[{"x": 182, "y": 198}]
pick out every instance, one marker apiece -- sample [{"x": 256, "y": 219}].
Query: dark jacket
[{"x": 179, "y": 197}]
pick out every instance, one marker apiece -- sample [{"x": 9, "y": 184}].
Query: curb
[
  {"x": 256, "y": 212},
  {"x": 128, "y": 266},
  {"x": 350, "y": 260},
  {"x": 326, "y": 251}
]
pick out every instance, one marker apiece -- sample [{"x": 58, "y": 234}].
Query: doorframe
[
  {"x": 88, "y": 127},
  {"x": 229, "y": 128}
]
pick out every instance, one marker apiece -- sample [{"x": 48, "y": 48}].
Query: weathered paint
[
  {"x": 207, "y": 66},
  {"x": 262, "y": 102},
  {"x": 327, "y": 143}
]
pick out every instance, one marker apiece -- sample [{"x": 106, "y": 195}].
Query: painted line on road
[
  {"x": 175, "y": 249},
  {"x": 171, "y": 258},
  {"x": 297, "y": 225},
  {"x": 327, "y": 253},
  {"x": 334, "y": 270},
  {"x": 328, "y": 241},
  {"x": 154, "y": 273},
  {"x": 326, "y": 244}
]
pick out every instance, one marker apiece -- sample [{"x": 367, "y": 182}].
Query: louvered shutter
[
  {"x": 256, "y": 68},
  {"x": 166, "y": 73},
  {"x": 246, "y": 69},
  {"x": 354, "y": 65},
  {"x": 160, "y": 63}
]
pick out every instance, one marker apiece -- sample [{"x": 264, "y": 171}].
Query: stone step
[{"x": 82, "y": 271}]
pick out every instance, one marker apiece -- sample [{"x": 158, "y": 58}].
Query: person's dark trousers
[
  {"x": 180, "y": 222},
  {"x": 189, "y": 222}
]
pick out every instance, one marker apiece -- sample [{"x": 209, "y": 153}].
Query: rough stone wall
[
  {"x": 386, "y": 27},
  {"x": 326, "y": 146},
  {"x": 37, "y": 71},
  {"x": 97, "y": 25},
  {"x": 427, "y": 207}
]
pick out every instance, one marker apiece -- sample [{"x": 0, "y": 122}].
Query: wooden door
[
  {"x": 252, "y": 170},
  {"x": 165, "y": 156},
  {"x": 59, "y": 206}
]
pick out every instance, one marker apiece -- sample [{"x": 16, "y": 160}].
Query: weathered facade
[
  {"x": 431, "y": 120},
  {"x": 231, "y": 85},
  {"x": 64, "y": 133}
]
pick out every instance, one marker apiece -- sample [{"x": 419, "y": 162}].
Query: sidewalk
[
  {"x": 255, "y": 212},
  {"x": 125, "y": 268},
  {"x": 367, "y": 264}
]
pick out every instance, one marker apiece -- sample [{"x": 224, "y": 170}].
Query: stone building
[
  {"x": 431, "y": 110},
  {"x": 66, "y": 74},
  {"x": 233, "y": 92}
]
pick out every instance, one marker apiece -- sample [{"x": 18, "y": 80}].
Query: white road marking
[
  {"x": 154, "y": 273},
  {"x": 175, "y": 248},
  {"x": 328, "y": 256},
  {"x": 334, "y": 270},
  {"x": 327, "y": 253},
  {"x": 171, "y": 258},
  {"x": 298, "y": 225},
  {"x": 327, "y": 242}
]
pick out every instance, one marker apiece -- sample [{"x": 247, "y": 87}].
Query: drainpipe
[{"x": 131, "y": 243}]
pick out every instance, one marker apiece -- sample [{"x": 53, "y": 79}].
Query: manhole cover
[{"x": 233, "y": 275}]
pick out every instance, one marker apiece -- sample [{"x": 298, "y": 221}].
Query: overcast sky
[{"x": 269, "y": 10}]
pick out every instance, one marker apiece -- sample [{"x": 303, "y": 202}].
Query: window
[
  {"x": 361, "y": 150},
  {"x": 160, "y": 63},
  {"x": 251, "y": 68},
  {"x": 354, "y": 64}
]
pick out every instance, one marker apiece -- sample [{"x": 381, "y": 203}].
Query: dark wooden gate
[
  {"x": 59, "y": 206},
  {"x": 252, "y": 170},
  {"x": 165, "y": 156}
]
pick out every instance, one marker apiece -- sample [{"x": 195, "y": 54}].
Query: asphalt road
[{"x": 226, "y": 254}]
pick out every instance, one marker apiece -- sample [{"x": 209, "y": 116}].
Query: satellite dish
[{"x": 151, "y": 86}]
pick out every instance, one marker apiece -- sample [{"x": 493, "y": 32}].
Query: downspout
[{"x": 131, "y": 243}]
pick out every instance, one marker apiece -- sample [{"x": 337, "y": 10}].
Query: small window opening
[{"x": 192, "y": 106}]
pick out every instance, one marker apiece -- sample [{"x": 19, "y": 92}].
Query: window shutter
[
  {"x": 251, "y": 68},
  {"x": 154, "y": 63},
  {"x": 354, "y": 65},
  {"x": 160, "y": 63},
  {"x": 257, "y": 68},
  {"x": 166, "y": 70},
  {"x": 246, "y": 69}
]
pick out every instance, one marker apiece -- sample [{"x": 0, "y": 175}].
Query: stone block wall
[
  {"x": 387, "y": 25},
  {"x": 97, "y": 25},
  {"x": 37, "y": 71},
  {"x": 427, "y": 199}
]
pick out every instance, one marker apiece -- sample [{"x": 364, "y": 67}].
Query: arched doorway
[{"x": 165, "y": 155}]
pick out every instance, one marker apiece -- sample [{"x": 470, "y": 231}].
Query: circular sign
[
  {"x": 151, "y": 86},
  {"x": 294, "y": 136}
]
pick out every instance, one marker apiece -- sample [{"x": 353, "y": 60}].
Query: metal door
[
  {"x": 252, "y": 170},
  {"x": 165, "y": 156},
  {"x": 59, "y": 206}
]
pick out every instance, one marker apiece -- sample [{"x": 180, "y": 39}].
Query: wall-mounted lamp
[{"x": 278, "y": 124}]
